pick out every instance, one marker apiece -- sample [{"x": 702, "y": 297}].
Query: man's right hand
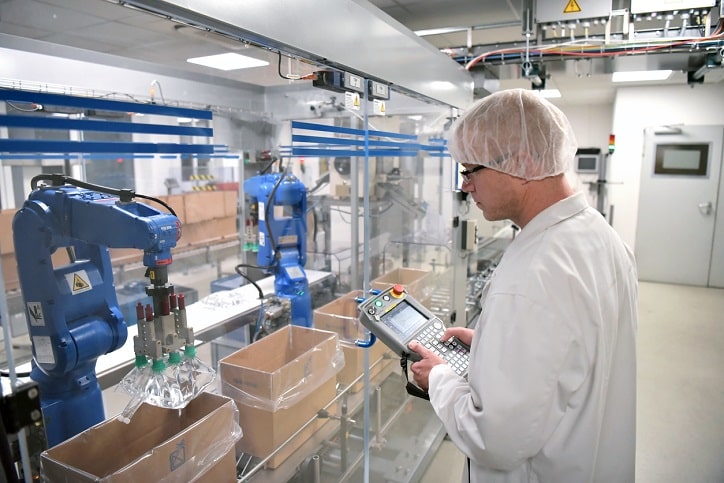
[{"x": 463, "y": 334}]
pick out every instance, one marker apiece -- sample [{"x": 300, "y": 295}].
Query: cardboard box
[
  {"x": 354, "y": 364},
  {"x": 6, "y": 231},
  {"x": 418, "y": 283},
  {"x": 208, "y": 231},
  {"x": 121, "y": 256},
  {"x": 192, "y": 444},
  {"x": 231, "y": 202},
  {"x": 340, "y": 316},
  {"x": 279, "y": 383},
  {"x": 203, "y": 205},
  {"x": 176, "y": 202},
  {"x": 10, "y": 272},
  {"x": 228, "y": 186}
]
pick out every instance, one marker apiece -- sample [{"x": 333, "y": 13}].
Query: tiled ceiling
[{"x": 104, "y": 26}]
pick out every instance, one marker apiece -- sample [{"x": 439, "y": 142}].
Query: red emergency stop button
[{"x": 397, "y": 290}]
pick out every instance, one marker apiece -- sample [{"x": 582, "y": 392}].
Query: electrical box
[
  {"x": 554, "y": 11},
  {"x": 338, "y": 81},
  {"x": 647, "y": 6},
  {"x": 354, "y": 83},
  {"x": 588, "y": 160},
  {"x": 378, "y": 90},
  {"x": 468, "y": 231}
]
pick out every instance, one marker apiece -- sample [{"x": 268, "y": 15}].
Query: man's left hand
[{"x": 421, "y": 369}]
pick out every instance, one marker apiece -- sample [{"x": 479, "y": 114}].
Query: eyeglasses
[{"x": 467, "y": 174}]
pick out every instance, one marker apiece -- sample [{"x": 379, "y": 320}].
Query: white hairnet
[{"x": 515, "y": 132}]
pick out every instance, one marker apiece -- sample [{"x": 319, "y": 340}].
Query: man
[{"x": 551, "y": 390}]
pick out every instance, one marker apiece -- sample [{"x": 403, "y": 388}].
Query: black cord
[
  {"x": 267, "y": 213},
  {"x": 238, "y": 268},
  {"x": 160, "y": 202},
  {"x": 324, "y": 179},
  {"x": 126, "y": 195},
  {"x": 270, "y": 164},
  {"x": 411, "y": 388},
  {"x": 279, "y": 69},
  {"x": 17, "y": 374}
]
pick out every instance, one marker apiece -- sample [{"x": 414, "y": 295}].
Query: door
[{"x": 677, "y": 217}]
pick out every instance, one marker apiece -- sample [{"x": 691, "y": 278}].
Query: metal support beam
[{"x": 351, "y": 35}]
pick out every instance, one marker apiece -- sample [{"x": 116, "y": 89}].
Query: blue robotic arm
[
  {"x": 72, "y": 310},
  {"x": 279, "y": 201}
]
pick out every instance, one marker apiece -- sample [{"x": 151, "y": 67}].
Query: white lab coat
[{"x": 552, "y": 382}]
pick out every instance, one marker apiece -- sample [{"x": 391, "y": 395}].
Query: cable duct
[{"x": 658, "y": 33}]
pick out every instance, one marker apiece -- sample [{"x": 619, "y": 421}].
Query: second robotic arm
[{"x": 280, "y": 202}]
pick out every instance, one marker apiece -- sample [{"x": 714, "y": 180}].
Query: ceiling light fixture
[
  {"x": 641, "y": 75},
  {"x": 228, "y": 61}
]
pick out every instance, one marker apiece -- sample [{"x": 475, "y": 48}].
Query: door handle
[{"x": 705, "y": 208}]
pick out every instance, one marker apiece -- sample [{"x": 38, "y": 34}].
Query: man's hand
[
  {"x": 463, "y": 334},
  {"x": 421, "y": 369}
]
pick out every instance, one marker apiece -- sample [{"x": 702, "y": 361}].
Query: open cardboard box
[
  {"x": 280, "y": 383},
  {"x": 196, "y": 443},
  {"x": 418, "y": 283},
  {"x": 340, "y": 316}
]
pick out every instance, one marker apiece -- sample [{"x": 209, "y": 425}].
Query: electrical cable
[
  {"x": 279, "y": 70},
  {"x": 36, "y": 107},
  {"x": 270, "y": 164},
  {"x": 18, "y": 374},
  {"x": 238, "y": 268},
  {"x": 267, "y": 214},
  {"x": 121, "y": 94},
  {"x": 601, "y": 51},
  {"x": 324, "y": 179},
  {"x": 291, "y": 76},
  {"x": 126, "y": 195},
  {"x": 257, "y": 328},
  {"x": 153, "y": 91}
]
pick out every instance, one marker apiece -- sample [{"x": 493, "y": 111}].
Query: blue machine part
[
  {"x": 72, "y": 311},
  {"x": 281, "y": 201}
]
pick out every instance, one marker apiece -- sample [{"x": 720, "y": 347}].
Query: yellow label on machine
[
  {"x": 572, "y": 7},
  {"x": 78, "y": 282}
]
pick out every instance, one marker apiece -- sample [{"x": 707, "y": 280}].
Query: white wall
[
  {"x": 636, "y": 108},
  {"x": 592, "y": 126},
  {"x": 591, "y": 123}
]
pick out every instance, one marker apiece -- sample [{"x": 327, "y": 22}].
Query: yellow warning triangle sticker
[
  {"x": 79, "y": 283},
  {"x": 572, "y": 7}
]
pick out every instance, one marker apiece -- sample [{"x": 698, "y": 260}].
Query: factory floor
[
  {"x": 680, "y": 428},
  {"x": 680, "y": 424}
]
